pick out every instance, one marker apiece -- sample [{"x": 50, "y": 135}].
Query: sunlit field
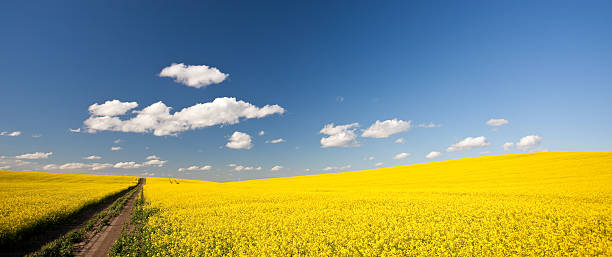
[
  {"x": 521, "y": 204},
  {"x": 31, "y": 199}
]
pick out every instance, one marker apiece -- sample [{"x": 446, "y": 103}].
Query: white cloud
[
  {"x": 276, "y": 168},
  {"x": 528, "y": 142},
  {"x": 117, "y": 141},
  {"x": 258, "y": 168},
  {"x": 205, "y": 167},
  {"x": 115, "y": 148},
  {"x": 36, "y": 135},
  {"x": 339, "y": 136},
  {"x": 239, "y": 140},
  {"x": 275, "y": 141},
  {"x": 92, "y": 157},
  {"x": 328, "y": 168},
  {"x": 74, "y": 130},
  {"x": 36, "y": 155},
  {"x": 497, "y": 122},
  {"x": 197, "y": 76},
  {"x": 306, "y": 169},
  {"x": 50, "y": 167},
  {"x": 154, "y": 162},
  {"x": 152, "y": 157},
  {"x": 101, "y": 166},
  {"x": 399, "y": 140},
  {"x": 77, "y": 166},
  {"x": 6, "y": 167},
  {"x": 401, "y": 156},
  {"x": 469, "y": 143},
  {"x": 111, "y": 108},
  {"x": 485, "y": 152},
  {"x": 369, "y": 158},
  {"x": 384, "y": 129},
  {"x": 508, "y": 145},
  {"x": 73, "y": 166},
  {"x": 525, "y": 143},
  {"x": 261, "y": 133},
  {"x": 378, "y": 164},
  {"x": 430, "y": 125},
  {"x": 127, "y": 165},
  {"x": 11, "y": 134},
  {"x": 157, "y": 118},
  {"x": 433, "y": 155}
]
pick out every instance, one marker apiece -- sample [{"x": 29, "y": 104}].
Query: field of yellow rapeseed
[
  {"x": 534, "y": 204},
  {"x": 30, "y": 199}
]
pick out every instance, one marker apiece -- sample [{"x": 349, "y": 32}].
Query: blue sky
[{"x": 543, "y": 66}]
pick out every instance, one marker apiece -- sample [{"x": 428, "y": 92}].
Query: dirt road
[{"x": 99, "y": 244}]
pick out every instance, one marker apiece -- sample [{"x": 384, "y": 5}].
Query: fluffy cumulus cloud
[
  {"x": 378, "y": 164},
  {"x": 339, "y": 136},
  {"x": 10, "y": 134},
  {"x": 400, "y": 140},
  {"x": 401, "y": 156},
  {"x": 384, "y": 129},
  {"x": 275, "y": 141},
  {"x": 75, "y": 130},
  {"x": 276, "y": 168},
  {"x": 433, "y": 155},
  {"x": 152, "y": 157},
  {"x": 111, "y": 108},
  {"x": 115, "y": 148},
  {"x": 92, "y": 157},
  {"x": 156, "y": 118},
  {"x": 497, "y": 122},
  {"x": 528, "y": 142},
  {"x": 261, "y": 133},
  {"x": 33, "y": 156},
  {"x": 469, "y": 143},
  {"x": 345, "y": 167},
  {"x": 197, "y": 76},
  {"x": 240, "y": 140}
]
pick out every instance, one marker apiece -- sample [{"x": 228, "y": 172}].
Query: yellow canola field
[
  {"x": 536, "y": 204},
  {"x": 28, "y": 199}
]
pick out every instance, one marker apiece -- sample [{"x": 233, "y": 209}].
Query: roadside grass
[{"x": 133, "y": 237}]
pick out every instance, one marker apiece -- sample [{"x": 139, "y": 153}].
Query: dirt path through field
[
  {"x": 99, "y": 244},
  {"x": 35, "y": 241}
]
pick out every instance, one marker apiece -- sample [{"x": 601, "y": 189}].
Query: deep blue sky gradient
[{"x": 546, "y": 66}]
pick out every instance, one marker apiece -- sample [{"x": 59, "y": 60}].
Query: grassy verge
[
  {"x": 63, "y": 246},
  {"x": 133, "y": 239}
]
